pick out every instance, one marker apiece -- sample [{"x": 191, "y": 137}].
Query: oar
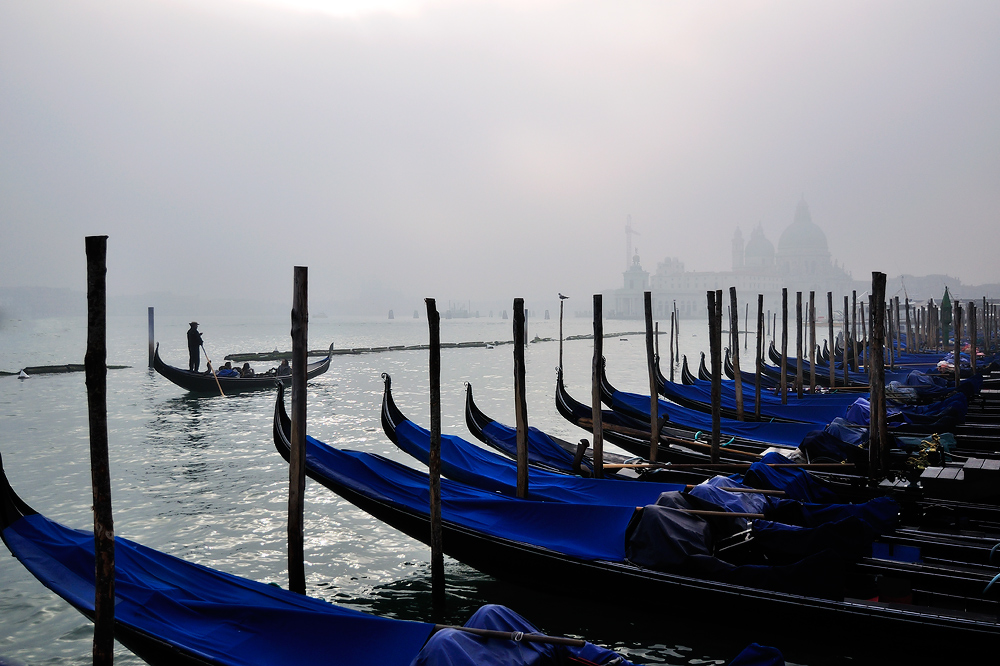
[
  {"x": 515, "y": 636},
  {"x": 212, "y": 370},
  {"x": 728, "y": 467}
]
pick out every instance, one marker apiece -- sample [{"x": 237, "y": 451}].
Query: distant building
[{"x": 802, "y": 262}]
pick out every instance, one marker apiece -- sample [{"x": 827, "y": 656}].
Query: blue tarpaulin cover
[
  {"x": 487, "y": 470},
  {"x": 797, "y": 483},
  {"x": 541, "y": 448},
  {"x": 453, "y": 647},
  {"x": 223, "y": 618},
  {"x": 226, "y": 619},
  {"x": 813, "y": 412},
  {"x": 787, "y": 434},
  {"x": 583, "y": 531}
]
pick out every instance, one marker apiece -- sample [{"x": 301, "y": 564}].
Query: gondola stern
[
  {"x": 391, "y": 415},
  {"x": 12, "y": 507},
  {"x": 475, "y": 420},
  {"x": 282, "y": 425}
]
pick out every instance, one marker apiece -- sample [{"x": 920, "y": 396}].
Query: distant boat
[
  {"x": 23, "y": 375},
  {"x": 204, "y": 383}
]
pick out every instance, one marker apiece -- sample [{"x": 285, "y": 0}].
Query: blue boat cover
[
  {"x": 220, "y": 617},
  {"x": 759, "y": 655},
  {"x": 782, "y": 434},
  {"x": 486, "y": 470},
  {"x": 797, "y": 483},
  {"x": 584, "y": 531},
  {"x": 813, "y": 412},
  {"x": 943, "y": 414},
  {"x": 453, "y": 647},
  {"x": 772, "y": 395},
  {"x": 542, "y": 449},
  {"x": 822, "y": 446},
  {"x": 226, "y": 619}
]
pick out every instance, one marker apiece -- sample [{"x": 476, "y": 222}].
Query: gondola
[
  {"x": 588, "y": 549},
  {"x": 172, "y": 612},
  {"x": 485, "y": 470},
  {"x": 205, "y": 384},
  {"x": 544, "y": 451},
  {"x": 767, "y": 434}
]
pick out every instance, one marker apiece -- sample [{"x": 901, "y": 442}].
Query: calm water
[{"x": 199, "y": 477}]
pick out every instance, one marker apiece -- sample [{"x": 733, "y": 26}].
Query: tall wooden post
[
  {"x": 715, "y": 342},
  {"x": 847, "y": 342},
  {"x": 973, "y": 329},
  {"x": 152, "y": 337},
  {"x": 798, "y": 344},
  {"x": 854, "y": 329},
  {"x": 879, "y": 443},
  {"x": 297, "y": 456},
  {"x": 829, "y": 321},
  {"x": 867, "y": 349},
  {"x": 520, "y": 402},
  {"x": 595, "y": 394},
  {"x": 812, "y": 342},
  {"x": 677, "y": 334},
  {"x": 654, "y": 403},
  {"x": 561, "y": 303},
  {"x": 760, "y": 356},
  {"x": 957, "y": 323},
  {"x": 784, "y": 346},
  {"x": 734, "y": 326},
  {"x": 434, "y": 460},
  {"x": 96, "y": 368},
  {"x": 911, "y": 346},
  {"x": 672, "y": 315},
  {"x": 899, "y": 330}
]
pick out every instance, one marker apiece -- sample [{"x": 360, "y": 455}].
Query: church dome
[
  {"x": 759, "y": 251},
  {"x": 802, "y": 236}
]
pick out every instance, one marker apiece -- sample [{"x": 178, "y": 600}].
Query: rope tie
[
  {"x": 516, "y": 636},
  {"x": 990, "y": 584}
]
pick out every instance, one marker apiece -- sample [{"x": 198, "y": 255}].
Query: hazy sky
[{"x": 473, "y": 150}]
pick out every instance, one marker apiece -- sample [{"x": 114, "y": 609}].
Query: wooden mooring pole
[
  {"x": 595, "y": 393},
  {"x": 96, "y": 368},
  {"x": 878, "y": 434},
  {"x": 784, "y": 346},
  {"x": 672, "y": 315},
  {"x": 152, "y": 338},
  {"x": 854, "y": 329},
  {"x": 812, "y": 342},
  {"x": 734, "y": 326},
  {"x": 520, "y": 402},
  {"x": 297, "y": 456},
  {"x": 957, "y": 323},
  {"x": 715, "y": 343},
  {"x": 833, "y": 347},
  {"x": 654, "y": 403},
  {"x": 798, "y": 344},
  {"x": 434, "y": 461},
  {"x": 973, "y": 330},
  {"x": 847, "y": 343},
  {"x": 760, "y": 356},
  {"x": 867, "y": 349}
]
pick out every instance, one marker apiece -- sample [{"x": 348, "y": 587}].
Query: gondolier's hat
[{"x": 194, "y": 323}]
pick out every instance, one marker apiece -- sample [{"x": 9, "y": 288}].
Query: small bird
[{"x": 562, "y": 298}]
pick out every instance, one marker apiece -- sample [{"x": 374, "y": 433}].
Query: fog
[{"x": 479, "y": 151}]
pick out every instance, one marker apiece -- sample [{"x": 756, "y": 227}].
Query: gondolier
[{"x": 194, "y": 347}]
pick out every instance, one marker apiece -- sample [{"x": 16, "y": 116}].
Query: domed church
[{"x": 802, "y": 262}]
